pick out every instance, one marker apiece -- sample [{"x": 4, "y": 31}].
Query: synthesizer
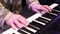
[{"x": 37, "y": 22}]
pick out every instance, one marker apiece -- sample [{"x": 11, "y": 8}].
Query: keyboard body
[{"x": 37, "y": 22}]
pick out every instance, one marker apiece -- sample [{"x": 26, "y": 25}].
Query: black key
[
  {"x": 50, "y": 16},
  {"x": 13, "y": 33},
  {"x": 57, "y": 7},
  {"x": 27, "y": 30},
  {"x": 42, "y": 20},
  {"x": 36, "y": 24},
  {"x": 21, "y": 32},
  {"x": 32, "y": 27},
  {"x": 56, "y": 12}
]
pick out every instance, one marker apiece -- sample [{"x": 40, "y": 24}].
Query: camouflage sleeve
[
  {"x": 31, "y": 2},
  {"x": 4, "y": 14}
]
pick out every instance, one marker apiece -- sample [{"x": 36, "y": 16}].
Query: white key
[
  {"x": 30, "y": 19},
  {"x": 10, "y": 31},
  {"x": 53, "y": 14},
  {"x": 53, "y": 5},
  {"x": 56, "y": 10},
  {"x": 35, "y": 27},
  {"x": 25, "y": 31},
  {"x": 31, "y": 29},
  {"x": 45, "y": 18},
  {"x": 40, "y": 22}
]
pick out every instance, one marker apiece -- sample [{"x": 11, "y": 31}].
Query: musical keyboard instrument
[{"x": 37, "y": 22}]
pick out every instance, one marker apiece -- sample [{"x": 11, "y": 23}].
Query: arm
[
  {"x": 16, "y": 21},
  {"x": 31, "y": 2},
  {"x": 4, "y": 14},
  {"x": 37, "y": 7}
]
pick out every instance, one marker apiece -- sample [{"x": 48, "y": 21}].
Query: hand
[
  {"x": 38, "y": 8},
  {"x": 17, "y": 21}
]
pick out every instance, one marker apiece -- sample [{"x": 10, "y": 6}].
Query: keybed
[{"x": 37, "y": 22}]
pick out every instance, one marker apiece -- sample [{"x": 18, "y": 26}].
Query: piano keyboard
[{"x": 37, "y": 22}]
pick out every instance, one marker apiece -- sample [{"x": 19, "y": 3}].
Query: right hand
[
  {"x": 39, "y": 8},
  {"x": 17, "y": 21}
]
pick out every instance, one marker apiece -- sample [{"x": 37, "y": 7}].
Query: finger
[
  {"x": 23, "y": 20},
  {"x": 36, "y": 10},
  {"x": 18, "y": 24},
  {"x": 13, "y": 26},
  {"x": 44, "y": 9},
  {"x": 41, "y": 11},
  {"x": 48, "y": 8}
]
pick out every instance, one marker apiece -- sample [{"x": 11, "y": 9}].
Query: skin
[
  {"x": 37, "y": 7},
  {"x": 17, "y": 21}
]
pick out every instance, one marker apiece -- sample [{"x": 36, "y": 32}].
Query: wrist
[{"x": 33, "y": 3}]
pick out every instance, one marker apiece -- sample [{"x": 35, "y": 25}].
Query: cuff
[{"x": 6, "y": 17}]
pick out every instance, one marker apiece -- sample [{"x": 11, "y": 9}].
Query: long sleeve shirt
[{"x": 5, "y": 13}]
